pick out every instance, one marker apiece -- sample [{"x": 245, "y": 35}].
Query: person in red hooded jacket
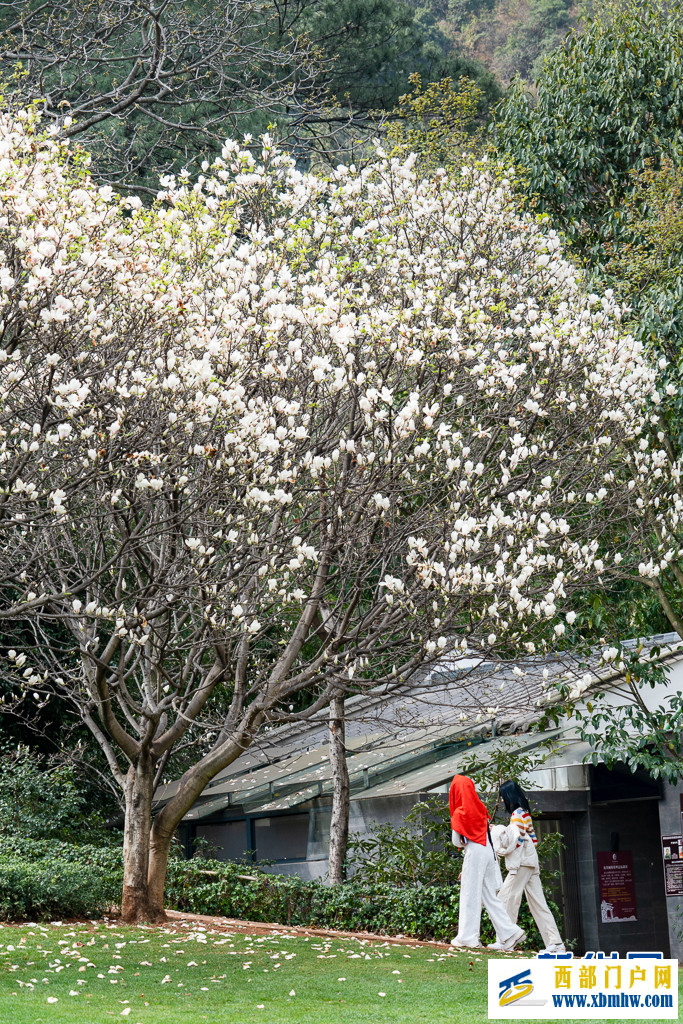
[{"x": 481, "y": 878}]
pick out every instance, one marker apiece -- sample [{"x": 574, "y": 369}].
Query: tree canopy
[{"x": 607, "y": 102}]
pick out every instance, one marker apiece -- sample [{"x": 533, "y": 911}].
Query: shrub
[
  {"x": 216, "y": 888},
  {"x": 49, "y": 889},
  {"x": 41, "y": 878},
  {"x": 101, "y": 859},
  {"x": 41, "y": 799},
  {"x": 417, "y": 852},
  {"x": 421, "y": 912}
]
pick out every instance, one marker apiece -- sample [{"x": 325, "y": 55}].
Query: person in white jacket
[
  {"x": 481, "y": 876},
  {"x": 516, "y": 842}
]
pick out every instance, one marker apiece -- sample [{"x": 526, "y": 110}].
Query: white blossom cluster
[{"x": 336, "y": 424}]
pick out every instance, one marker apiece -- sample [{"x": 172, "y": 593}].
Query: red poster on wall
[{"x": 617, "y": 888}]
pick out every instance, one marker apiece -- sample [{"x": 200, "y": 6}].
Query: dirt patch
[{"x": 229, "y": 924}]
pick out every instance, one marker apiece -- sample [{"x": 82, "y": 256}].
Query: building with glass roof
[{"x": 273, "y": 804}]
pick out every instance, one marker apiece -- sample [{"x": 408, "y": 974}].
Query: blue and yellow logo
[{"x": 515, "y": 987}]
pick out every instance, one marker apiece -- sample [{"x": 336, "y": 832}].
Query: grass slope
[{"x": 99, "y": 972}]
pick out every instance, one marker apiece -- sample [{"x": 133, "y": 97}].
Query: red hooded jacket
[{"x": 469, "y": 817}]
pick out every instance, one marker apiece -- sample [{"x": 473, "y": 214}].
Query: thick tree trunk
[
  {"x": 339, "y": 822},
  {"x": 160, "y": 845},
  {"x": 159, "y": 835},
  {"x": 139, "y": 788}
]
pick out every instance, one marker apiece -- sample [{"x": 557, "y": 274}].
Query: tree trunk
[
  {"x": 159, "y": 835},
  {"x": 160, "y": 845},
  {"x": 138, "y": 791},
  {"x": 339, "y": 822}
]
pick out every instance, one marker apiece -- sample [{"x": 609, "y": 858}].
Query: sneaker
[
  {"x": 465, "y": 945},
  {"x": 557, "y": 947},
  {"x": 514, "y": 940},
  {"x": 496, "y": 946}
]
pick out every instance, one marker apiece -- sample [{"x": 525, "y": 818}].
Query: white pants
[
  {"x": 528, "y": 881},
  {"x": 480, "y": 880}
]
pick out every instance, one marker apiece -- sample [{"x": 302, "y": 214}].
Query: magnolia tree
[{"x": 284, "y": 436}]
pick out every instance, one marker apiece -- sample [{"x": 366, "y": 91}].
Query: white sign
[{"x": 573, "y": 989}]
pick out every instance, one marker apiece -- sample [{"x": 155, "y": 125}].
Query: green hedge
[
  {"x": 42, "y": 879},
  {"x": 50, "y": 889},
  {"x": 45, "y": 879},
  {"x": 425, "y": 912},
  {"x": 33, "y": 851},
  {"x": 428, "y": 912}
]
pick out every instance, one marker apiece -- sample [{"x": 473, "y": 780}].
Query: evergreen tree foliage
[
  {"x": 607, "y": 103},
  {"x": 376, "y": 45}
]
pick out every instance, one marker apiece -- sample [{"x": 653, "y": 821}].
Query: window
[
  {"x": 228, "y": 840},
  {"x": 282, "y": 838}
]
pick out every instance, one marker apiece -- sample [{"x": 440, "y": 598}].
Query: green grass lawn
[{"x": 94, "y": 973}]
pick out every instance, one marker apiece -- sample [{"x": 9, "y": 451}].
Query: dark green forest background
[
  {"x": 150, "y": 95},
  {"x": 509, "y": 37}
]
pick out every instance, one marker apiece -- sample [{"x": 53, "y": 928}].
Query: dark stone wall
[
  {"x": 670, "y": 824},
  {"x": 637, "y": 823},
  {"x": 586, "y": 862}
]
